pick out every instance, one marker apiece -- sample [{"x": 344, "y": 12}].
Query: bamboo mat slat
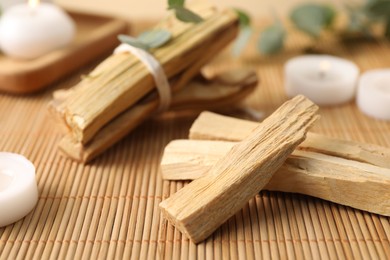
[{"x": 108, "y": 209}]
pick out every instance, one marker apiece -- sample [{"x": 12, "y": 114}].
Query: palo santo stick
[
  {"x": 215, "y": 92},
  {"x": 196, "y": 95},
  {"x": 61, "y": 97},
  {"x": 211, "y": 126},
  {"x": 57, "y": 106},
  {"x": 90, "y": 110},
  {"x": 115, "y": 65},
  {"x": 347, "y": 182},
  {"x": 118, "y": 65},
  {"x": 127, "y": 121},
  {"x": 202, "y": 206}
]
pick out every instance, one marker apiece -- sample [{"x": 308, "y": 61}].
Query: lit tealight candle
[
  {"x": 18, "y": 188},
  {"x": 31, "y": 30},
  {"x": 325, "y": 79},
  {"x": 373, "y": 95}
]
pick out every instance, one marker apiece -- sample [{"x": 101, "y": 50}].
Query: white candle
[
  {"x": 18, "y": 188},
  {"x": 325, "y": 79},
  {"x": 31, "y": 30},
  {"x": 373, "y": 95}
]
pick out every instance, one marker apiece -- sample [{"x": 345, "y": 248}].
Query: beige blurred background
[{"x": 154, "y": 9}]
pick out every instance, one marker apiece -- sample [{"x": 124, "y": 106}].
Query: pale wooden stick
[
  {"x": 91, "y": 108},
  {"x": 57, "y": 105},
  {"x": 196, "y": 95},
  {"x": 202, "y": 206},
  {"x": 216, "y": 92},
  {"x": 127, "y": 121},
  {"x": 211, "y": 126},
  {"x": 347, "y": 182}
]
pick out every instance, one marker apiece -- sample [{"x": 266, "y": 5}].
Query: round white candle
[
  {"x": 28, "y": 32},
  {"x": 373, "y": 95},
  {"x": 18, "y": 188},
  {"x": 324, "y": 79}
]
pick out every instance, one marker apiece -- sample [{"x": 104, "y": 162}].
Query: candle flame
[
  {"x": 324, "y": 66},
  {"x": 33, "y": 3}
]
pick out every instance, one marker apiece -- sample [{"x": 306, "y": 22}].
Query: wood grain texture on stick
[
  {"x": 123, "y": 80},
  {"x": 183, "y": 97},
  {"x": 206, "y": 94},
  {"x": 201, "y": 207},
  {"x": 347, "y": 182},
  {"x": 211, "y": 126}
]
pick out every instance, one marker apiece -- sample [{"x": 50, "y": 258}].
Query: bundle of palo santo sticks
[
  {"x": 345, "y": 172},
  {"x": 120, "y": 93}
]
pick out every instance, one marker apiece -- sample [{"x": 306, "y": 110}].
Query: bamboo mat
[{"x": 109, "y": 208}]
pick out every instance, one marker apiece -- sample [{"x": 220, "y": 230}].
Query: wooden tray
[{"x": 95, "y": 36}]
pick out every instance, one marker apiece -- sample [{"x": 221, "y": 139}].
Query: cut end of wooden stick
[
  {"x": 211, "y": 126},
  {"x": 69, "y": 148},
  {"x": 201, "y": 207},
  {"x": 178, "y": 164}
]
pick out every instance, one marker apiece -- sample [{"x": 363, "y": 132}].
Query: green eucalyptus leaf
[
  {"x": 243, "y": 18},
  {"x": 378, "y": 8},
  {"x": 186, "y": 15},
  {"x": 155, "y": 38},
  {"x": 312, "y": 18},
  {"x": 358, "y": 23},
  {"x": 133, "y": 42},
  {"x": 175, "y": 3},
  {"x": 387, "y": 28},
  {"x": 271, "y": 39},
  {"x": 241, "y": 41},
  {"x": 329, "y": 15}
]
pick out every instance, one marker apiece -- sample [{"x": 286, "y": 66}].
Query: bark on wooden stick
[
  {"x": 211, "y": 126},
  {"x": 347, "y": 182},
  {"x": 206, "y": 203}
]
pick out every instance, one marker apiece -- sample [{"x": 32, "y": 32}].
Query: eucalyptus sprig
[
  {"x": 245, "y": 32},
  {"x": 159, "y": 37},
  {"x": 381, "y": 9},
  {"x": 271, "y": 40},
  {"x": 182, "y": 13},
  {"x": 314, "y": 18},
  {"x": 147, "y": 40},
  {"x": 359, "y": 22}
]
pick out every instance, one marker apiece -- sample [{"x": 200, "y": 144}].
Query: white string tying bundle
[{"x": 155, "y": 69}]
